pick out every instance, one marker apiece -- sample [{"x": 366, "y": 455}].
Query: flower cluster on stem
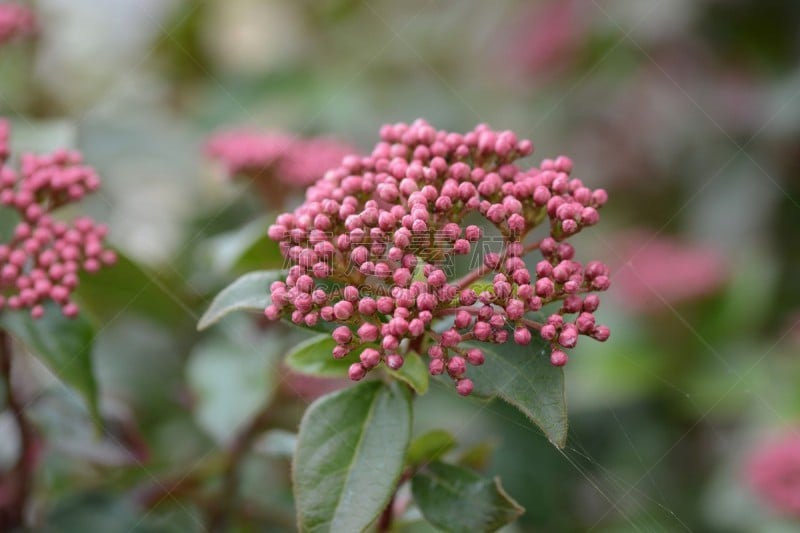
[
  {"x": 275, "y": 156},
  {"x": 369, "y": 251},
  {"x": 43, "y": 256},
  {"x": 16, "y": 20}
]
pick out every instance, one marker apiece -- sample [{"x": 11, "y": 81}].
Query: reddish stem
[{"x": 18, "y": 482}]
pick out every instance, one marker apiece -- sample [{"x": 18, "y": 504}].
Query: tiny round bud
[
  {"x": 370, "y": 358},
  {"x": 558, "y": 358},
  {"x": 464, "y": 387},
  {"x": 356, "y": 372},
  {"x": 522, "y": 336},
  {"x": 475, "y": 357},
  {"x": 394, "y": 361},
  {"x": 342, "y": 335}
]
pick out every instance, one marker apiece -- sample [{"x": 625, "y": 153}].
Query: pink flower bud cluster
[
  {"x": 293, "y": 161},
  {"x": 663, "y": 269},
  {"x": 43, "y": 257},
  {"x": 16, "y": 20},
  {"x": 773, "y": 473},
  {"x": 368, "y": 250}
]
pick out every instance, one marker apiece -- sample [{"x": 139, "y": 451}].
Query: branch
[
  {"x": 219, "y": 514},
  {"x": 19, "y": 480}
]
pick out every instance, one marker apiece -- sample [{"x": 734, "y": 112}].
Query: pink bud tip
[{"x": 558, "y": 358}]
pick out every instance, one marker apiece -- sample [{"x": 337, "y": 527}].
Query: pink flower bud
[
  {"x": 544, "y": 288},
  {"x": 436, "y": 366},
  {"x": 558, "y": 358},
  {"x": 343, "y": 310},
  {"x": 342, "y": 335},
  {"x": 356, "y": 372},
  {"x": 473, "y": 233},
  {"x": 601, "y": 333},
  {"x": 482, "y": 330},
  {"x": 475, "y": 357},
  {"x": 569, "y": 336},
  {"x": 591, "y": 303},
  {"x": 456, "y": 366},
  {"x": 370, "y": 358},
  {"x": 522, "y": 336},
  {"x": 464, "y": 387}
]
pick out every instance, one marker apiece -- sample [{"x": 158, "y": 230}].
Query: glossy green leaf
[
  {"x": 414, "y": 372},
  {"x": 248, "y": 293},
  {"x": 524, "y": 377},
  {"x": 459, "y": 500},
  {"x": 430, "y": 447},
  {"x": 350, "y": 453},
  {"x": 65, "y": 346},
  {"x": 314, "y": 357}
]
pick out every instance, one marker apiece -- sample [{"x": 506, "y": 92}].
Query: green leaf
[
  {"x": 277, "y": 443},
  {"x": 477, "y": 457},
  {"x": 243, "y": 249},
  {"x": 314, "y": 357},
  {"x": 232, "y": 375},
  {"x": 524, "y": 377},
  {"x": 130, "y": 286},
  {"x": 350, "y": 453},
  {"x": 65, "y": 346},
  {"x": 414, "y": 372},
  {"x": 430, "y": 447},
  {"x": 248, "y": 293},
  {"x": 459, "y": 500}
]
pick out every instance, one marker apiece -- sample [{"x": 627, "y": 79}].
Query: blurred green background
[{"x": 686, "y": 111}]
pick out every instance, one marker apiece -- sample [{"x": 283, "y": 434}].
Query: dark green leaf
[
  {"x": 414, "y": 372},
  {"x": 524, "y": 377},
  {"x": 430, "y": 447},
  {"x": 459, "y": 500},
  {"x": 248, "y": 293},
  {"x": 350, "y": 453},
  {"x": 63, "y": 344}
]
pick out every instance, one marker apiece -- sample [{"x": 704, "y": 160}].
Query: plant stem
[
  {"x": 385, "y": 520},
  {"x": 220, "y": 513},
  {"x": 19, "y": 480}
]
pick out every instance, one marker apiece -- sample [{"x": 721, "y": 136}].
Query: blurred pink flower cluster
[
  {"x": 16, "y": 20},
  {"x": 662, "y": 269},
  {"x": 547, "y": 37},
  {"x": 43, "y": 256},
  {"x": 276, "y": 158},
  {"x": 773, "y": 473},
  {"x": 371, "y": 247}
]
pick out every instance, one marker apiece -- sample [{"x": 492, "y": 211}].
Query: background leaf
[
  {"x": 130, "y": 286},
  {"x": 248, "y": 293},
  {"x": 350, "y": 455},
  {"x": 232, "y": 375},
  {"x": 65, "y": 346},
  {"x": 459, "y": 500},
  {"x": 524, "y": 377},
  {"x": 430, "y": 446}
]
